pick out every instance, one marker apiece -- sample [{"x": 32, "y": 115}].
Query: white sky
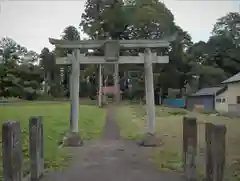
[{"x": 31, "y": 23}]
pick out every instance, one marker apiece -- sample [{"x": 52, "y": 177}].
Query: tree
[
  {"x": 132, "y": 20},
  {"x": 201, "y": 64},
  {"x": 30, "y": 57},
  {"x": 151, "y": 19},
  {"x": 225, "y": 42},
  {"x": 219, "y": 57},
  {"x": 9, "y": 49},
  {"x": 69, "y": 33},
  {"x": 47, "y": 62},
  {"x": 99, "y": 17},
  {"x": 18, "y": 76},
  {"x": 229, "y": 26},
  {"x": 138, "y": 19}
]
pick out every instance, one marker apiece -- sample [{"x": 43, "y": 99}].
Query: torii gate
[{"x": 111, "y": 56}]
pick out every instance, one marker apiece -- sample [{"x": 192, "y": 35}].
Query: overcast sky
[{"x": 31, "y": 23}]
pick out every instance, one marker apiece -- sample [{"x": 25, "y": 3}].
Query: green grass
[
  {"x": 131, "y": 127},
  {"x": 56, "y": 123},
  {"x": 131, "y": 119}
]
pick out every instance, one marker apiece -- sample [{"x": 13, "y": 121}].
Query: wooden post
[
  {"x": 100, "y": 91},
  {"x": 190, "y": 147},
  {"x": 36, "y": 147},
  {"x": 12, "y": 156},
  {"x": 149, "y": 91},
  {"x": 209, "y": 128},
  {"x": 218, "y": 151}
]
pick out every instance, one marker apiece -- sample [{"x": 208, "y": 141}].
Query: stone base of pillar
[
  {"x": 150, "y": 140},
  {"x": 72, "y": 140}
]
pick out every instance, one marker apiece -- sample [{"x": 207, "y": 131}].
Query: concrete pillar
[
  {"x": 116, "y": 82},
  {"x": 70, "y": 96},
  {"x": 104, "y": 94},
  {"x": 100, "y": 93},
  {"x": 149, "y": 91},
  {"x": 75, "y": 90}
]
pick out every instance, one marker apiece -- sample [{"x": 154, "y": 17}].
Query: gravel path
[{"x": 111, "y": 159}]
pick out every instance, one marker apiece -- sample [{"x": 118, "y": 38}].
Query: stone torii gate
[{"x": 111, "y": 56}]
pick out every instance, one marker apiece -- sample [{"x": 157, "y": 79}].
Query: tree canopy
[
  {"x": 211, "y": 61},
  {"x": 19, "y": 77}
]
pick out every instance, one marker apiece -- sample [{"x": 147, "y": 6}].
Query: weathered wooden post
[
  {"x": 36, "y": 147},
  {"x": 190, "y": 147},
  {"x": 218, "y": 151},
  {"x": 209, "y": 128},
  {"x": 12, "y": 156}
]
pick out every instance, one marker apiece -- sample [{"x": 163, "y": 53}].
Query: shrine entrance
[{"x": 111, "y": 56}]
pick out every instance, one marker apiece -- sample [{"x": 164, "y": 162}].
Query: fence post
[
  {"x": 209, "y": 128},
  {"x": 12, "y": 156},
  {"x": 36, "y": 147},
  {"x": 190, "y": 147},
  {"x": 218, "y": 151}
]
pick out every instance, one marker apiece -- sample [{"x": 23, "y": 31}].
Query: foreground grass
[
  {"x": 131, "y": 119},
  {"x": 56, "y": 123}
]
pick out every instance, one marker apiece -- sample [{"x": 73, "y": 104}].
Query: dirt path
[{"x": 111, "y": 159}]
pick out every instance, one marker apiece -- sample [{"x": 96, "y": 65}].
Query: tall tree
[
  {"x": 225, "y": 42},
  {"x": 228, "y": 26},
  {"x": 138, "y": 19},
  {"x": 131, "y": 20},
  {"x": 100, "y": 17},
  {"x": 47, "y": 62},
  {"x": 219, "y": 57},
  {"x": 9, "y": 49},
  {"x": 19, "y": 77},
  {"x": 69, "y": 33}
]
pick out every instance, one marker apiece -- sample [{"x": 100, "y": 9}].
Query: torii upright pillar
[
  {"x": 116, "y": 83},
  {"x": 150, "y": 139},
  {"x": 149, "y": 91},
  {"x": 74, "y": 138},
  {"x": 100, "y": 89}
]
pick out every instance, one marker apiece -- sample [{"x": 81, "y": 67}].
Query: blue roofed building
[
  {"x": 225, "y": 98},
  {"x": 204, "y": 99}
]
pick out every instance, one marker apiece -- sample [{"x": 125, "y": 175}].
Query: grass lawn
[
  {"x": 56, "y": 122},
  {"x": 131, "y": 119}
]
